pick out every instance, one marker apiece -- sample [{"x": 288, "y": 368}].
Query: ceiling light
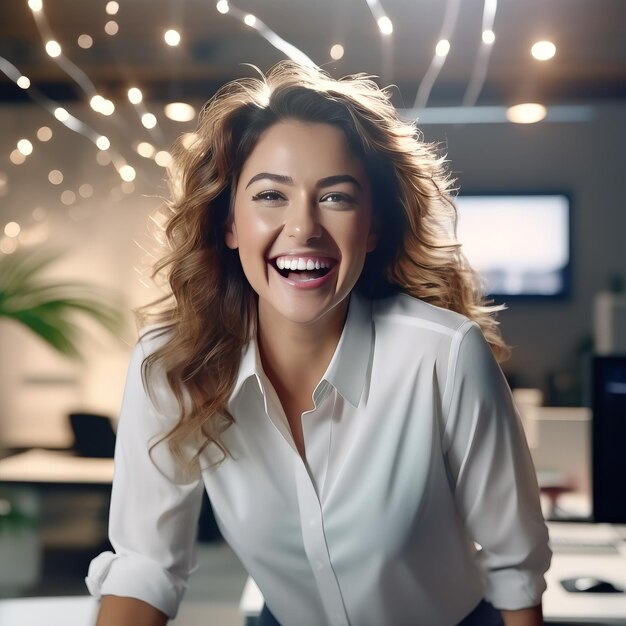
[
  {"x": 179, "y": 111},
  {"x": 543, "y": 50},
  {"x": 145, "y": 149},
  {"x": 442, "y": 48},
  {"x": 35, "y": 5},
  {"x": 53, "y": 48},
  {"x": 127, "y": 173},
  {"x": 148, "y": 120},
  {"x": 85, "y": 191},
  {"x": 107, "y": 107},
  {"x": 103, "y": 143},
  {"x": 68, "y": 197},
  {"x": 336, "y": 52},
  {"x": 385, "y": 25},
  {"x": 111, "y": 27},
  {"x": 61, "y": 114},
  {"x": 25, "y": 147},
  {"x": 8, "y": 246},
  {"x": 23, "y": 82},
  {"x": 12, "y": 229},
  {"x": 488, "y": 37},
  {"x": 222, "y": 6},
  {"x": 172, "y": 37},
  {"x": 526, "y": 113},
  {"x": 16, "y": 157},
  {"x": 96, "y": 102},
  {"x": 44, "y": 134},
  {"x": 163, "y": 158},
  {"x": 135, "y": 95},
  {"x": 112, "y": 7},
  {"x": 250, "y": 20},
  {"x": 55, "y": 177},
  {"x": 85, "y": 41}
]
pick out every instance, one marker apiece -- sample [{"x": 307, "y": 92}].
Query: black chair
[{"x": 93, "y": 435}]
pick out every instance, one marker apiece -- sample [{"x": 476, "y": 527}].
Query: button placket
[{"x": 316, "y": 548}]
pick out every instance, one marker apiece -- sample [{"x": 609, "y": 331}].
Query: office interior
[{"x": 82, "y": 180}]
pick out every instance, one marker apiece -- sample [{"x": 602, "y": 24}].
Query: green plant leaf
[{"x": 49, "y": 307}]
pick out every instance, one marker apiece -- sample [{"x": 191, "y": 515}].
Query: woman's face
[{"x": 302, "y": 222}]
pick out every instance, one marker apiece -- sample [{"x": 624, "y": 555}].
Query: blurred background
[{"x": 92, "y": 95}]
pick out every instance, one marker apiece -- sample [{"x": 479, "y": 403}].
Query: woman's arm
[
  {"x": 523, "y": 617},
  {"x": 118, "y": 611}
]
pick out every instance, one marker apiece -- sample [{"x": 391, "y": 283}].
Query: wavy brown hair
[{"x": 210, "y": 312}]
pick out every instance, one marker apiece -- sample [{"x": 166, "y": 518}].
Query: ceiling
[{"x": 589, "y": 65}]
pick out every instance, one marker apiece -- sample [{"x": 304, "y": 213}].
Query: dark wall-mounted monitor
[
  {"x": 608, "y": 404},
  {"x": 520, "y": 244}
]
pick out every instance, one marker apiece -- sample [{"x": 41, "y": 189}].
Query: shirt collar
[{"x": 348, "y": 367}]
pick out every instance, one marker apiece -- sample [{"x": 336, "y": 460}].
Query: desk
[
  {"x": 25, "y": 479},
  {"x": 561, "y": 606},
  {"x": 82, "y": 611},
  {"x": 46, "y": 467}
]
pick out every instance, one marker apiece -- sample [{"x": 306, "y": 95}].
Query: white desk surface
[
  {"x": 82, "y": 611},
  {"x": 49, "y": 466}
]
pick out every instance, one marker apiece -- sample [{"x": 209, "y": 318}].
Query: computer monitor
[
  {"x": 608, "y": 404},
  {"x": 519, "y": 243}
]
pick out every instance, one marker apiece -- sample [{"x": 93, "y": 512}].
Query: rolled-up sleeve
[
  {"x": 493, "y": 476},
  {"x": 154, "y": 513}
]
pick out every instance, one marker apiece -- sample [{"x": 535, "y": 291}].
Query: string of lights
[
  {"x": 441, "y": 52},
  {"x": 55, "y": 51},
  {"x": 289, "y": 50},
  {"x": 479, "y": 71},
  {"x": 172, "y": 36},
  {"x": 382, "y": 19}
]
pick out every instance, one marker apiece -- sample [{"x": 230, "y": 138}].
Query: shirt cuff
[
  {"x": 512, "y": 589},
  {"x": 135, "y": 576}
]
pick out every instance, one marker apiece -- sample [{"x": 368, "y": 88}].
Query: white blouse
[{"x": 414, "y": 453}]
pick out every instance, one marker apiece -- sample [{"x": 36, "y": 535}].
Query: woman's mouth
[{"x": 303, "y": 269}]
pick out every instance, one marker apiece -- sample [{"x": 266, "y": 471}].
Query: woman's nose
[{"x": 303, "y": 221}]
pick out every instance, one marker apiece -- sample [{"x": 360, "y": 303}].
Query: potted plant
[{"x": 50, "y": 308}]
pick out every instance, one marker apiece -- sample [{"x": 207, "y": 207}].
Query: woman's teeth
[{"x": 300, "y": 264}]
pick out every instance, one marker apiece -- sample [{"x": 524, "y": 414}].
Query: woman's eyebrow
[
  {"x": 329, "y": 181},
  {"x": 278, "y": 178}
]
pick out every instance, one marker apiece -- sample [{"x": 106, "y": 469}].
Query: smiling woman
[
  {"x": 316, "y": 209},
  {"x": 325, "y": 368}
]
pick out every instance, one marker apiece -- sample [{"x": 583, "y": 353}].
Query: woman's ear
[{"x": 230, "y": 236}]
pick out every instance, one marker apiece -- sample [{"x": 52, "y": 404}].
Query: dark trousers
[{"x": 483, "y": 615}]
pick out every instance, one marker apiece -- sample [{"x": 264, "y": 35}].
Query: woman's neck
[{"x": 295, "y": 356}]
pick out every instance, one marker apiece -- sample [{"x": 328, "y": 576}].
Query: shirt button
[
  {"x": 312, "y": 522},
  {"x": 319, "y": 565}
]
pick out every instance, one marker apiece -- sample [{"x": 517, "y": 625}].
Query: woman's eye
[
  {"x": 268, "y": 196},
  {"x": 337, "y": 198}
]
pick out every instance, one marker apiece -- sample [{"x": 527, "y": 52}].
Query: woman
[{"x": 324, "y": 368}]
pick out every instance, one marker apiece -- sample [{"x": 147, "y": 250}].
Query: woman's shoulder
[{"x": 404, "y": 310}]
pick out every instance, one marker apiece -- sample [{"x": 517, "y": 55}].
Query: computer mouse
[{"x": 590, "y": 584}]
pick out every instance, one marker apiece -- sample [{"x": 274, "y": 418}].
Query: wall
[
  {"x": 100, "y": 237},
  {"x": 588, "y": 160}
]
